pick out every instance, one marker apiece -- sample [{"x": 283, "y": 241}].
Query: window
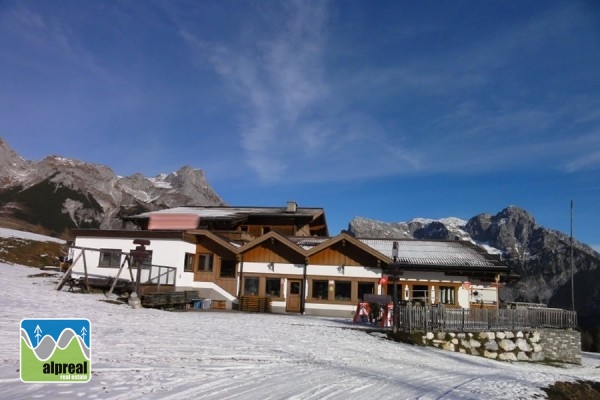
[
  {"x": 343, "y": 290},
  {"x": 228, "y": 268},
  {"x": 365, "y": 288},
  {"x": 273, "y": 287},
  {"x": 188, "y": 263},
  {"x": 205, "y": 262},
  {"x": 447, "y": 295},
  {"x": 420, "y": 293},
  {"x": 294, "y": 287},
  {"x": 319, "y": 289},
  {"x": 250, "y": 286},
  {"x": 390, "y": 290},
  {"x": 110, "y": 258}
]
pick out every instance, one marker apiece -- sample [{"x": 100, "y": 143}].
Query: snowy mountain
[{"x": 57, "y": 193}]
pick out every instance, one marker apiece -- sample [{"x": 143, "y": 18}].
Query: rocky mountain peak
[
  {"x": 510, "y": 229},
  {"x": 60, "y": 193},
  {"x": 12, "y": 166}
]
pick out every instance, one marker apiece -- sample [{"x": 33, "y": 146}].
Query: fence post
[{"x": 409, "y": 317}]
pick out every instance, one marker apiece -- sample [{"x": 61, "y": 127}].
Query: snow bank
[
  {"x": 148, "y": 353},
  {"x": 7, "y": 233}
]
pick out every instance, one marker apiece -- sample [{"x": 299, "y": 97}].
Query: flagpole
[{"x": 572, "y": 268}]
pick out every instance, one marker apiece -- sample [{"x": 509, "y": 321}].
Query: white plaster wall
[
  {"x": 165, "y": 252},
  {"x": 463, "y": 297},
  {"x": 277, "y": 269}
]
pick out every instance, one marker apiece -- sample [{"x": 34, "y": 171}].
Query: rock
[
  {"x": 507, "y": 345},
  {"x": 507, "y": 357},
  {"x": 474, "y": 343},
  {"x": 523, "y": 345},
  {"x": 490, "y": 354},
  {"x": 448, "y": 346},
  {"x": 491, "y": 345},
  {"x": 521, "y": 356},
  {"x": 538, "y": 356},
  {"x": 500, "y": 335},
  {"x": 429, "y": 335},
  {"x": 535, "y": 337}
]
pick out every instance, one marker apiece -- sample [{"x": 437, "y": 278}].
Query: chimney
[{"x": 292, "y": 206}]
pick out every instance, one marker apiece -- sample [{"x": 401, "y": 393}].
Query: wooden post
[
  {"x": 67, "y": 274},
  {"x": 87, "y": 284},
  {"x": 112, "y": 287}
]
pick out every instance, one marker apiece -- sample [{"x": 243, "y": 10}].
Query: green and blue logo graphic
[{"x": 56, "y": 350}]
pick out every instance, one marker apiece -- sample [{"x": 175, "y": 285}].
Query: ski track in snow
[{"x": 152, "y": 354}]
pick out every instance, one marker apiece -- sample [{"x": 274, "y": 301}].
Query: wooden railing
[
  {"x": 139, "y": 274},
  {"x": 426, "y": 318}
]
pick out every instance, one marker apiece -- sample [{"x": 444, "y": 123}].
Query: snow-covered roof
[
  {"x": 215, "y": 212},
  {"x": 435, "y": 252}
]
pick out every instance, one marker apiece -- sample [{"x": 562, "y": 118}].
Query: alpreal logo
[{"x": 55, "y": 350}]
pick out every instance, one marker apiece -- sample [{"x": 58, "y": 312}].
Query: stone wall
[{"x": 563, "y": 345}]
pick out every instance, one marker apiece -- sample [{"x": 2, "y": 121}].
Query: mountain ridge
[{"x": 57, "y": 194}]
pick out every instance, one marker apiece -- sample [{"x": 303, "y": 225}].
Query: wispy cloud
[{"x": 292, "y": 123}]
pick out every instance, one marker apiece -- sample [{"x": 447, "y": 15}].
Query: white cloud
[{"x": 292, "y": 123}]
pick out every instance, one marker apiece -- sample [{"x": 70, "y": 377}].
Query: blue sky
[{"x": 387, "y": 110}]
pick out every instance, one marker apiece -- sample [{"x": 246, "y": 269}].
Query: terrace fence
[{"x": 439, "y": 318}]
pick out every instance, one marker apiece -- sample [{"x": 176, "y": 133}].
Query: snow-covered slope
[
  {"x": 13, "y": 233},
  {"x": 150, "y": 354}
]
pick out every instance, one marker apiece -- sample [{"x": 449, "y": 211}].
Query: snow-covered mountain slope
[{"x": 152, "y": 354}]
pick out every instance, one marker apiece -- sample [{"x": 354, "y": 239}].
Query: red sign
[{"x": 383, "y": 281}]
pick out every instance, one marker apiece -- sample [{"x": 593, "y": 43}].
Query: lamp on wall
[{"x": 271, "y": 266}]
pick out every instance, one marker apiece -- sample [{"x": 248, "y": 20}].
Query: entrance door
[{"x": 294, "y": 295}]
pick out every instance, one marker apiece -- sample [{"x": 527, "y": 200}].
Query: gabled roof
[
  {"x": 272, "y": 236},
  {"x": 190, "y": 236},
  {"x": 344, "y": 237}
]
